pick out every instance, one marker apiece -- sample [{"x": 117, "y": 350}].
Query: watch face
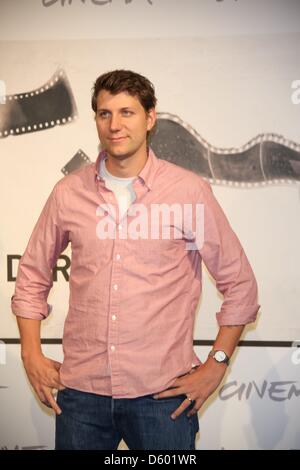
[{"x": 220, "y": 356}]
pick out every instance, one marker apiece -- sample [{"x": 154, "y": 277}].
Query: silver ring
[{"x": 189, "y": 398}]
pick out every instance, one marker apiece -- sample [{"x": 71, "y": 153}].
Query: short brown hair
[{"x": 125, "y": 80}]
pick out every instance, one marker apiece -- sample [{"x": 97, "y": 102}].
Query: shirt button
[
  {"x": 118, "y": 256},
  {"x": 112, "y": 348},
  {"x": 114, "y": 317},
  {"x": 120, "y": 227},
  {"x": 116, "y": 286}
]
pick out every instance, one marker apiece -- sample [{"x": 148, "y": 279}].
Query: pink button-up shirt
[{"x": 132, "y": 303}]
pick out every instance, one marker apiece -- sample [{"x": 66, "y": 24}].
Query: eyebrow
[{"x": 125, "y": 108}]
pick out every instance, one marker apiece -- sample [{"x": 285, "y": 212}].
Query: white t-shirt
[{"x": 122, "y": 187}]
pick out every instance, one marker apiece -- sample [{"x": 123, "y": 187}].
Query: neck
[{"x": 126, "y": 166}]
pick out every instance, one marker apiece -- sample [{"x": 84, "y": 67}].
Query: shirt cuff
[
  {"x": 25, "y": 310},
  {"x": 241, "y": 317}
]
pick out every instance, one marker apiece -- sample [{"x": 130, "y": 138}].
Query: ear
[{"x": 151, "y": 118}]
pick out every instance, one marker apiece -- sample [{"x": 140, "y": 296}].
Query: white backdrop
[
  {"x": 257, "y": 406},
  {"x": 226, "y": 68}
]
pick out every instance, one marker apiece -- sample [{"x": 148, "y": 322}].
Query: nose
[{"x": 115, "y": 123}]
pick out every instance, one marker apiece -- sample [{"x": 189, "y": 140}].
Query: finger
[
  {"x": 165, "y": 394},
  {"x": 182, "y": 380},
  {"x": 56, "y": 383},
  {"x": 196, "y": 408},
  {"x": 52, "y": 402},
  {"x": 57, "y": 365},
  {"x": 53, "y": 380},
  {"x": 180, "y": 409},
  {"x": 192, "y": 412},
  {"x": 43, "y": 398}
]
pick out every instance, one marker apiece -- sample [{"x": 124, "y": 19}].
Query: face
[{"x": 122, "y": 124}]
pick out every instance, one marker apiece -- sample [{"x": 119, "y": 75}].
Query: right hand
[{"x": 43, "y": 374}]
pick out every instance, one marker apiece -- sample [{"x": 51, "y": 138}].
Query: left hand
[{"x": 199, "y": 383}]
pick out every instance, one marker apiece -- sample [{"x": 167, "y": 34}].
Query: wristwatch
[{"x": 219, "y": 356}]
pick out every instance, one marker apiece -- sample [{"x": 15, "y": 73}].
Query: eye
[
  {"x": 103, "y": 114},
  {"x": 127, "y": 112}
]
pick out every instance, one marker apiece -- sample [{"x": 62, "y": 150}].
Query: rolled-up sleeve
[
  {"x": 227, "y": 262},
  {"x": 34, "y": 276}
]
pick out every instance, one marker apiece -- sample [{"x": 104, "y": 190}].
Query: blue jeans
[{"x": 96, "y": 422}]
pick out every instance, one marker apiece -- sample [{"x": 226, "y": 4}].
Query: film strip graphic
[
  {"x": 266, "y": 159},
  {"x": 50, "y": 105},
  {"x": 78, "y": 160}
]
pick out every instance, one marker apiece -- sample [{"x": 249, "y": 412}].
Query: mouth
[{"x": 117, "y": 139}]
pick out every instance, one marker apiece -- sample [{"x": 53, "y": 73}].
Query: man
[{"x": 139, "y": 228}]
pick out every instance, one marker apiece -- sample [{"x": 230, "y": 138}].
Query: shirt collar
[{"x": 147, "y": 173}]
